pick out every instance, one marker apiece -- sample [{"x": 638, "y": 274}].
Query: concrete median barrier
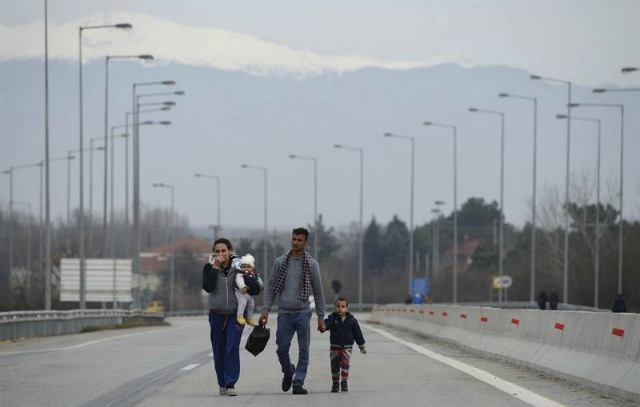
[{"x": 596, "y": 349}]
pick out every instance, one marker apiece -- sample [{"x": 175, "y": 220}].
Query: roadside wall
[
  {"x": 597, "y": 349},
  {"x": 27, "y": 324}
]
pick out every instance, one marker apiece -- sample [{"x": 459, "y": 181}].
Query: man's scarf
[{"x": 305, "y": 283}]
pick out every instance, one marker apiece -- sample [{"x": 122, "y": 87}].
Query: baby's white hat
[{"x": 248, "y": 259}]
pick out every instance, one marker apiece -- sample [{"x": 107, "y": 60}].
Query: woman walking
[{"x": 218, "y": 279}]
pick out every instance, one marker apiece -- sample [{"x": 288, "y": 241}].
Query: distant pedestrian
[
  {"x": 542, "y": 300},
  {"x": 553, "y": 300},
  {"x": 619, "y": 304},
  {"x": 345, "y": 330}
]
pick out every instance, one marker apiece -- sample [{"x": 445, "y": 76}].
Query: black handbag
[{"x": 257, "y": 340}]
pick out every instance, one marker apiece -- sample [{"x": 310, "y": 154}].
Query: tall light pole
[
  {"x": 111, "y": 193},
  {"x": 83, "y": 276},
  {"x": 620, "y": 236},
  {"x": 435, "y": 247},
  {"x": 455, "y": 204},
  {"x": 412, "y": 139},
  {"x": 173, "y": 243},
  {"x": 127, "y": 137},
  {"x": 28, "y": 205},
  {"x": 9, "y": 172},
  {"x": 144, "y": 57},
  {"x": 532, "y": 272},
  {"x": 47, "y": 227},
  {"x": 91, "y": 141},
  {"x": 361, "y": 243},
  {"x": 565, "y": 282},
  {"x": 217, "y": 228},
  {"x": 264, "y": 170},
  {"x": 501, "y": 230},
  {"x": 596, "y": 266},
  {"x": 136, "y": 186},
  {"x": 315, "y": 199},
  {"x": 438, "y": 212}
]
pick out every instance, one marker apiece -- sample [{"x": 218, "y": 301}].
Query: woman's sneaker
[
  {"x": 344, "y": 386},
  {"x": 231, "y": 391},
  {"x": 223, "y": 391},
  {"x": 335, "y": 387}
]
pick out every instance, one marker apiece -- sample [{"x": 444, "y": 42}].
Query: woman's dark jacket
[
  {"x": 344, "y": 333},
  {"x": 220, "y": 284}
]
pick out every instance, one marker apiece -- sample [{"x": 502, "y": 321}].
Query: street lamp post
[
  {"x": 173, "y": 243},
  {"x": 596, "y": 266},
  {"x": 435, "y": 246},
  {"x": 217, "y": 228},
  {"x": 532, "y": 272},
  {"x": 28, "y": 205},
  {"x": 315, "y": 199},
  {"x": 83, "y": 277},
  {"x": 455, "y": 204},
  {"x": 136, "y": 186},
  {"x": 620, "y": 235},
  {"x": 501, "y": 231},
  {"x": 144, "y": 57},
  {"x": 412, "y": 139},
  {"x": 127, "y": 137},
  {"x": 361, "y": 243},
  {"x": 264, "y": 170},
  {"x": 565, "y": 282},
  {"x": 10, "y": 173},
  {"x": 91, "y": 141},
  {"x": 438, "y": 213}
]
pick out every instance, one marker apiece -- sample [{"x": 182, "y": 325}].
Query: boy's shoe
[
  {"x": 223, "y": 391},
  {"x": 241, "y": 320},
  {"x": 298, "y": 389},
  {"x": 344, "y": 386},
  {"x": 231, "y": 391},
  {"x": 251, "y": 321},
  {"x": 335, "y": 387},
  {"x": 286, "y": 380}
]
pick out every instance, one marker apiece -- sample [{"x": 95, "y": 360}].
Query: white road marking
[
  {"x": 528, "y": 396},
  {"x": 81, "y": 345},
  {"x": 189, "y": 367}
]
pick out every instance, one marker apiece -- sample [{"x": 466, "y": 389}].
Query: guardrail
[
  {"x": 597, "y": 349},
  {"x": 27, "y": 324}
]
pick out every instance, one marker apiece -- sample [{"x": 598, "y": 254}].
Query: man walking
[{"x": 294, "y": 277}]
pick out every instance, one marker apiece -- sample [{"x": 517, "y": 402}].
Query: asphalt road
[{"x": 172, "y": 366}]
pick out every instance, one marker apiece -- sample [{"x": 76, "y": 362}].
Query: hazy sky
[{"x": 307, "y": 37}]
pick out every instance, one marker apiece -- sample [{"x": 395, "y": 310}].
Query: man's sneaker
[
  {"x": 344, "y": 386},
  {"x": 286, "y": 380},
  {"x": 251, "y": 321},
  {"x": 298, "y": 389},
  {"x": 223, "y": 391},
  {"x": 231, "y": 391},
  {"x": 335, "y": 387},
  {"x": 241, "y": 320}
]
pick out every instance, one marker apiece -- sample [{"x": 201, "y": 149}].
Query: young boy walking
[{"x": 344, "y": 330}]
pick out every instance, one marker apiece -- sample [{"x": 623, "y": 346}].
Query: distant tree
[
  {"x": 327, "y": 241},
  {"x": 372, "y": 248},
  {"x": 396, "y": 244}
]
